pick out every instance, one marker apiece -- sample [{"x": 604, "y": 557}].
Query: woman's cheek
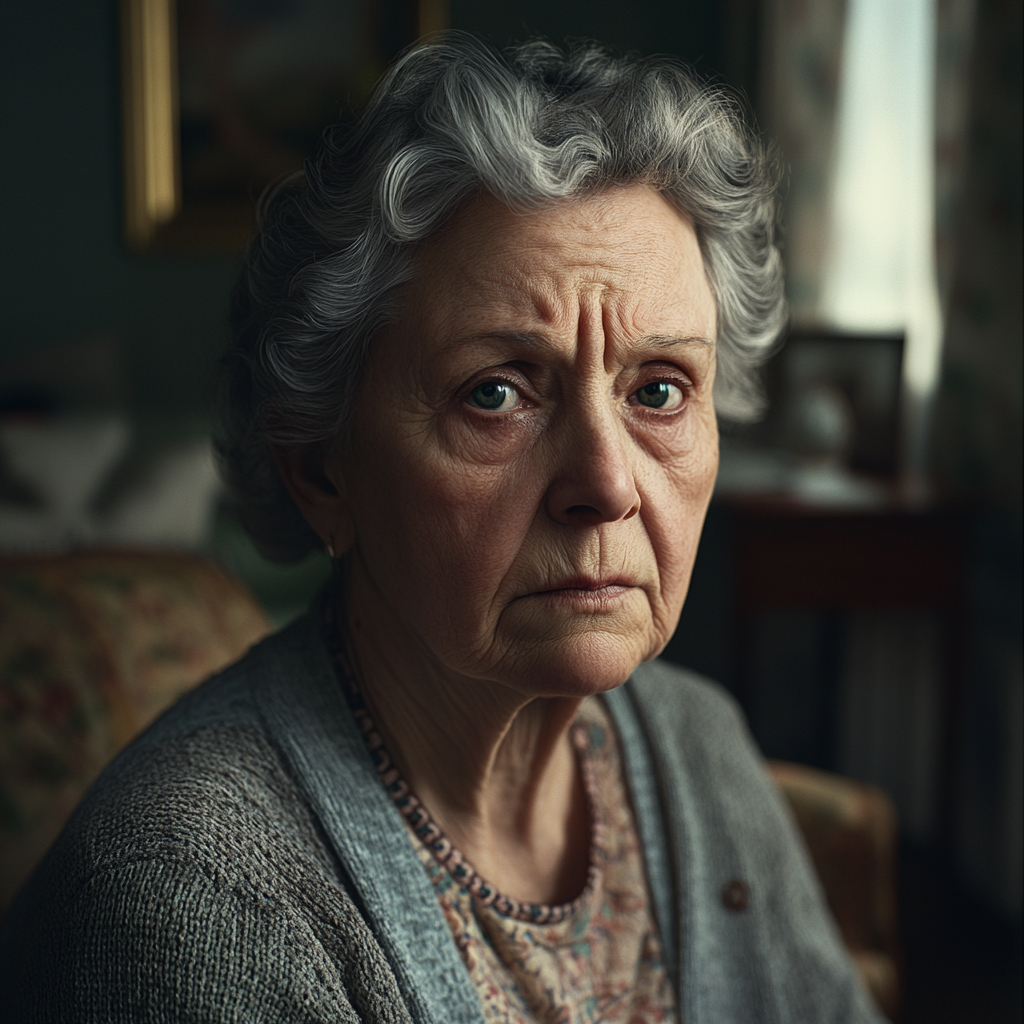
[{"x": 469, "y": 476}]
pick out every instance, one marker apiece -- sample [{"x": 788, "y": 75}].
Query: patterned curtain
[
  {"x": 954, "y": 30},
  {"x": 978, "y": 175},
  {"x": 976, "y": 449},
  {"x": 802, "y": 50}
]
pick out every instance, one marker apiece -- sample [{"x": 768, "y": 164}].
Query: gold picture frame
[{"x": 160, "y": 214}]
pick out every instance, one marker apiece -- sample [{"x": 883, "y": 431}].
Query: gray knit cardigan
[{"x": 240, "y": 861}]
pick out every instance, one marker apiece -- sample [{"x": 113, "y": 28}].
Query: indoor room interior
[{"x": 858, "y": 582}]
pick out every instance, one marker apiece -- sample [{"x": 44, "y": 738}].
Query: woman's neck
[{"x": 495, "y": 769}]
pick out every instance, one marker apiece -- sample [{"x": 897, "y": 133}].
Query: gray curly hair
[{"x": 452, "y": 118}]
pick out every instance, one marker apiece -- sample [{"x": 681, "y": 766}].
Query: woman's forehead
[
  {"x": 486, "y": 224},
  {"x": 626, "y": 251}
]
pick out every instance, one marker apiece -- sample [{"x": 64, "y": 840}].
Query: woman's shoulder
[
  {"x": 199, "y": 846},
  {"x": 194, "y": 877},
  {"x": 213, "y": 803}
]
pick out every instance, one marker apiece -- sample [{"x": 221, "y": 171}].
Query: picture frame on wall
[{"x": 223, "y": 97}]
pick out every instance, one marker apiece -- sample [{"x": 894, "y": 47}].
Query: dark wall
[
  {"x": 64, "y": 273},
  {"x": 689, "y": 29}
]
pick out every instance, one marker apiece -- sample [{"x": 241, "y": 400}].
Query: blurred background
[{"x": 858, "y": 586}]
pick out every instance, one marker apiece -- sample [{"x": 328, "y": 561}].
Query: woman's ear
[{"x": 318, "y": 492}]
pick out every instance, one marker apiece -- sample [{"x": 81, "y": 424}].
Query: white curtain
[{"x": 879, "y": 270}]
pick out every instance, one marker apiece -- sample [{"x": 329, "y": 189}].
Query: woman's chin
[
  {"x": 588, "y": 663},
  {"x": 556, "y": 649}
]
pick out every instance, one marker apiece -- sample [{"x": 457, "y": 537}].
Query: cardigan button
[{"x": 736, "y": 895}]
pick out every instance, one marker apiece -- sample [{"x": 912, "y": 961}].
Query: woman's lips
[
  {"x": 589, "y": 583},
  {"x": 586, "y": 591}
]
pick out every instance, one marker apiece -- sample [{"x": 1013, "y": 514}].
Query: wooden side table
[{"x": 790, "y": 555}]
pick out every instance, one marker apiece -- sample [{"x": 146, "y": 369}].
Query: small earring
[{"x": 330, "y": 551}]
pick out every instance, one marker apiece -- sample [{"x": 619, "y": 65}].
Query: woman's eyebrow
[
  {"x": 660, "y": 341},
  {"x": 528, "y": 339}
]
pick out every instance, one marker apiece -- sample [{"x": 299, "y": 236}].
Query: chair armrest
[{"x": 851, "y": 829}]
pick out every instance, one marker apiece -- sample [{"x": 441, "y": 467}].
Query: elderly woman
[{"x": 479, "y": 349}]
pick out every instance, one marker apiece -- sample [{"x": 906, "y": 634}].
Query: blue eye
[
  {"x": 495, "y": 396},
  {"x": 660, "y": 394}
]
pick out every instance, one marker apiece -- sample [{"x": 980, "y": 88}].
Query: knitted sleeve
[{"x": 192, "y": 886}]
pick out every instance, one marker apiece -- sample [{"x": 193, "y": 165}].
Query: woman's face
[{"x": 534, "y": 444}]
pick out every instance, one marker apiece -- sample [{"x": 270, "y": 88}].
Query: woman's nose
[{"x": 594, "y": 482}]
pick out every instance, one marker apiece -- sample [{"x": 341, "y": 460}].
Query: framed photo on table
[
  {"x": 861, "y": 373},
  {"x": 223, "y": 97}
]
